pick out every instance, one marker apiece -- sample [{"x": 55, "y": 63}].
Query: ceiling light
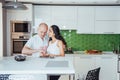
[{"x": 14, "y": 5}]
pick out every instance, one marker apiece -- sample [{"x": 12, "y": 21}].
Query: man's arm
[{"x": 29, "y": 51}]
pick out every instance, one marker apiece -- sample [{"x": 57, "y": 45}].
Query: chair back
[{"x": 93, "y": 74}]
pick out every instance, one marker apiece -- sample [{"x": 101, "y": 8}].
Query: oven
[{"x": 18, "y": 44}]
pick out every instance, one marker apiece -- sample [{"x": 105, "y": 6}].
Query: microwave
[{"x": 21, "y": 26}]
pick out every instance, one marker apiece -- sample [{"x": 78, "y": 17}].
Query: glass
[{"x": 43, "y": 50}]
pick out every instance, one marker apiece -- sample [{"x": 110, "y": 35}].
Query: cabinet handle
[
  {"x": 85, "y": 33},
  {"x": 86, "y": 57},
  {"x": 106, "y": 57},
  {"x": 108, "y": 32}
]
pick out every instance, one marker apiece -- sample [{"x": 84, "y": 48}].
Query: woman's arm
[{"x": 61, "y": 48}]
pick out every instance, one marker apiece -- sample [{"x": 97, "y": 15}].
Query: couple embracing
[{"x": 41, "y": 45}]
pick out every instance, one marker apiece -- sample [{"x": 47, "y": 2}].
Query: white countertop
[
  {"x": 103, "y": 53},
  {"x": 34, "y": 65}
]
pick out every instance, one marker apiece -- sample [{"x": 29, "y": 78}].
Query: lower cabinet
[
  {"x": 108, "y": 64},
  {"x": 82, "y": 65}
]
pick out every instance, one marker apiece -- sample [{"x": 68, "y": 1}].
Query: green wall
[{"x": 90, "y": 41}]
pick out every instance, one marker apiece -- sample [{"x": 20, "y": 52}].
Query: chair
[{"x": 92, "y": 74}]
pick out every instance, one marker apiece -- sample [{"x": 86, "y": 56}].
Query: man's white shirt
[{"x": 36, "y": 42}]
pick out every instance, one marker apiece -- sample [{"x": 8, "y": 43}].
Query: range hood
[{"x": 14, "y": 5}]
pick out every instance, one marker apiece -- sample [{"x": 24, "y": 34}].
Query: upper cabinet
[
  {"x": 25, "y": 15},
  {"x": 98, "y": 20},
  {"x": 64, "y": 16},
  {"x": 1, "y": 31},
  {"x": 107, "y": 20},
  {"x": 42, "y": 14},
  {"x": 107, "y": 13},
  {"x": 85, "y": 19},
  {"x": 107, "y": 27}
]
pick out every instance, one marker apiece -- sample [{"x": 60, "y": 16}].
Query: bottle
[
  {"x": 114, "y": 50},
  {"x": 118, "y": 49}
]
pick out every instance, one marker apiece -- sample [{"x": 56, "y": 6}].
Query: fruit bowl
[{"x": 93, "y": 51}]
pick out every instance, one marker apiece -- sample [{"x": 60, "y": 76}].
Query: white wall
[
  {"x": 1, "y": 31},
  {"x": 19, "y": 15}
]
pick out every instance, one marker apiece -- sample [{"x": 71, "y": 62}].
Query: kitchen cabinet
[
  {"x": 107, "y": 27},
  {"x": 42, "y": 14},
  {"x": 64, "y": 16},
  {"x": 107, "y": 20},
  {"x": 108, "y": 63},
  {"x": 108, "y": 66},
  {"x": 83, "y": 64},
  {"x": 107, "y": 13},
  {"x": 85, "y": 19},
  {"x": 98, "y": 20},
  {"x": 1, "y": 30}
]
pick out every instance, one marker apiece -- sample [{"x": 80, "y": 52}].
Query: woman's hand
[
  {"x": 51, "y": 55},
  {"x": 42, "y": 53}
]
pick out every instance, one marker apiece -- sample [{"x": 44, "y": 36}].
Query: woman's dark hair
[{"x": 58, "y": 36}]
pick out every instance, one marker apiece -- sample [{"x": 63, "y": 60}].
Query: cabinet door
[
  {"x": 107, "y": 13},
  {"x": 107, "y": 20},
  {"x": 64, "y": 16},
  {"x": 107, "y": 27},
  {"x": 108, "y": 66},
  {"x": 83, "y": 64},
  {"x": 1, "y": 31},
  {"x": 42, "y": 14},
  {"x": 85, "y": 23}
]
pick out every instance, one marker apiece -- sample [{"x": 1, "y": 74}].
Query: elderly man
[{"x": 37, "y": 43}]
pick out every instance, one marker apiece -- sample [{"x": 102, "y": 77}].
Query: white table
[{"x": 34, "y": 65}]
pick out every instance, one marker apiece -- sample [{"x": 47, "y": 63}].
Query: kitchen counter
[
  {"x": 81, "y": 53},
  {"x": 34, "y": 65},
  {"x": 104, "y": 52}
]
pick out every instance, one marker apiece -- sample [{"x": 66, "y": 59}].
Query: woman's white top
[
  {"x": 36, "y": 42},
  {"x": 53, "y": 48}
]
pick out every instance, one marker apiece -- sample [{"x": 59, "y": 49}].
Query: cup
[{"x": 43, "y": 50}]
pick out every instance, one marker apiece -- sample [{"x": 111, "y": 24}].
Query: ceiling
[{"x": 70, "y": 1}]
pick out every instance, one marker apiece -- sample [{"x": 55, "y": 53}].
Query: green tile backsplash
[{"x": 90, "y": 41}]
